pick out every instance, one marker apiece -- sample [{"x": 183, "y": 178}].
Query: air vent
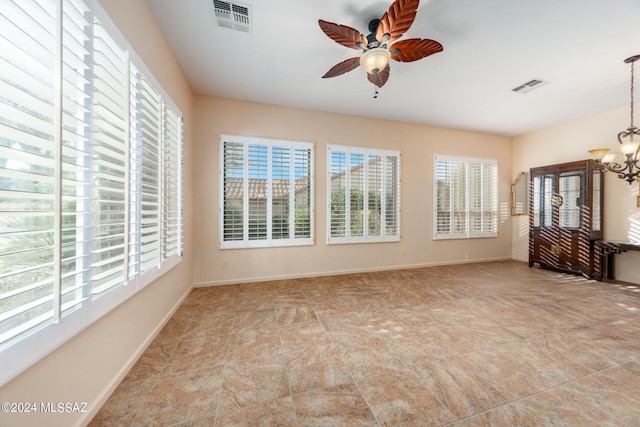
[
  {"x": 233, "y": 15},
  {"x": 530, "y": 85}
]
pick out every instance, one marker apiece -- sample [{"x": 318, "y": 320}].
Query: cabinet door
[
  {"x": 571, "y": 204},
  {"x": 570, "y": 219},
  {"x": 573, "y": 253},
  {"x": 544, "y": 235}
]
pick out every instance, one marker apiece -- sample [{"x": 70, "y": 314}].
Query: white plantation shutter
[
  {"x": 150, "y": 122},
  {"x": 233, "y": 189},
  {"x": 489, "y": 199},
  {"x": 374, "y": 195},
  {"x": 171, "y": 191},
  {"x": 258, "y": 164},
  {"x": 134, "y": 211},
  {"x": 302, "y": 201},
  {"x": 27, "y": 169},
  {"x": 266, "y": 192},
  {"x": 356, "y": 194},
  {"x": 109, "y": 160},
  {"x": 365, "y": 195},
  {"x": 281, "y": 190},
  {"x": 76, "y": 158},
  {"x": 77, "y": 188},
  {"x": 465, "y": 197},
  {"x": 392, "y": 195},
  {"x": 339, "y": 209}
]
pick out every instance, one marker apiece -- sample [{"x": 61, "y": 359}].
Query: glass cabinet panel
[
  {"x": 572, "y": 203},
  {"x": 536, "y": 199},
  {"x": 596, "y": 223},
  {"x": 547, "y": 207},
  {"x": 542, "y": 195}
]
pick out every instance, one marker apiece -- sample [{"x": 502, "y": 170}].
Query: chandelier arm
[
  {"x": 627, "y": 171},
  {"x": 616, "y": 167},
  {"x": 632, "y": 130}
]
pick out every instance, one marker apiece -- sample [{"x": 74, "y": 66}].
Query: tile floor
[{"x": 492, "y": 344}]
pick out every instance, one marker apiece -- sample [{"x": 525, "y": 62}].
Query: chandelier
[{"x": 627, "y": 169}]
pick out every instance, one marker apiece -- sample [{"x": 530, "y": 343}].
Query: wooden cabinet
[{"x": 565, "y": 216}]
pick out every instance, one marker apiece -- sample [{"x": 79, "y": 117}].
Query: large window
[
  {"x": 90, "y": 175},
  {"x": 266, "y": 192},
  {"x": 364, "y": 191},
  {"x": 466, "y": 197}
]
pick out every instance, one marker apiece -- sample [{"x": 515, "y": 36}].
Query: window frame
[
  {"x": 466, "y": 162},
  {"x": 365, "y": 153},
  {"x": 99, "y": 172},
  {"x": 294, "y": 147}
]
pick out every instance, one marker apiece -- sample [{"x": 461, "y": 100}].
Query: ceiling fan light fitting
[{"x": 375, "y": 60}]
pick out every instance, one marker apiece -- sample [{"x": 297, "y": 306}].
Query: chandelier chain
[{"x": 632, "y": 73}]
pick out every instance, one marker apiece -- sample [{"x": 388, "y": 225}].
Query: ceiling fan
[{"x": 375, "y": 57}]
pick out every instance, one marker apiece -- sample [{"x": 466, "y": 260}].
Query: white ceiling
[{"x": 490, "y": 47}]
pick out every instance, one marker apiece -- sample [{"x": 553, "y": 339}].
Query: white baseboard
[{"x": 240, "y": 280}]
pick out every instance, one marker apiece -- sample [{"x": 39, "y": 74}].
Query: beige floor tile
[
  {"x": 316, "y": 367},
  {"x": 208, "y": 325},
  {"x": 330, "y": 307},
  {"x": 609, "y": 396},
  {"x": 198, "y": 353},
  {"x": 560, "y": 406},
  {"x": 345, "y": 328},
  {"x": 461, "y": 392},
  {"x": 400, "y": 399},
  {"x": 299, "y": 336},
  {"x": 254, "y": 381},
  {"x": 335, "y": 406},
  {"x": 294, "y": 313},
  {"x": 364, "y": 356},
  {"x": 255, "y": 344},
  {"x": 276, "y": 413},
  {"x": 153, "y": 361},
  {"x": 124, "y": 404},
  {"x": 512, "y": 415},
  {"x": 626, "y": 374},
  {"x": 182, "y": 396}
]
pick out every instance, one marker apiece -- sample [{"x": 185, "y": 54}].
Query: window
[
  {"x": 90, "y": 175},
  {"x": 364, "y": 187},
  {"x": 466, "y": 197},
  {"x": 266, "y": 190}
]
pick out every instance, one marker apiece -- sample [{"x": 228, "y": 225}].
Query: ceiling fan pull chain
[{"x": 375, "y": 92}]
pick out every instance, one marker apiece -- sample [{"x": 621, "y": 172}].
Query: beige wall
[
  {"x": 571, "y": 141},
  {"x": 89, "y": 366},
  {"x": 417, "y": 144}
]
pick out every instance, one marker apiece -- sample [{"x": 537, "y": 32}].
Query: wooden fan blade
[
  {"x": 379, "y": 79},
  {"x": 343, "y": 34},
  {"x": 414, "y": 49},
  {"x": 343, "y": 67},
  {"x": 397, "y": 20}
]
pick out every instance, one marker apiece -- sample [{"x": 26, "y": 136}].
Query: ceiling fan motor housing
[{"x": 372, "y": 42}]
